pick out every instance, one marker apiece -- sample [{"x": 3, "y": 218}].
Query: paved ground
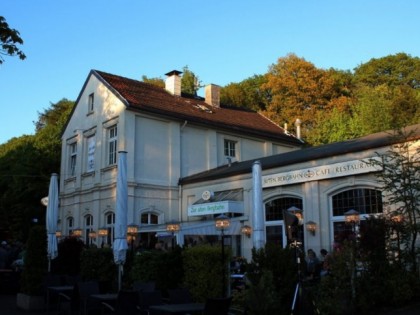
[{"x": 8, "y": 307}]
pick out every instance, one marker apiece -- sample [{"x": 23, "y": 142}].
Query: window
[
  {"x": 88, "y": 228},
  {"x": 91, "y": 101},
  {"x": 149, "y": 218},
  {"x": 90, "y": 166},
  {"x": 110, "y": 223},
  {"x": 365, "y": 201},
  {"x": 112, "y": 145},
  {"x": 70, "y": 225},
  {"x": 230, "y": 146},
  {"x": 274, "y": 229},
  {"x": 73, "y": 158}
]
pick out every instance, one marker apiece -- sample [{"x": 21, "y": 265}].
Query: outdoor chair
[
  {"x": 78, "y": 301},
  {"x": 147, "y": 299},
  {"x": 127, "y": 304},
  {"x": 217, "y": 306}
]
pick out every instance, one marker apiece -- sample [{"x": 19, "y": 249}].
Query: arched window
[
  {"x": 109, "y": 224},
  {"x": 274, "y": 229},
  {"x": 69, "y": 225},
  {"x": 149, "y": 218},
  {"x": 364, "y": 200},
  {"x": 88, "y": 219}
]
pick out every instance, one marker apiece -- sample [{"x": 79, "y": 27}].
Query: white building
[{"x": 167, "y": 136}]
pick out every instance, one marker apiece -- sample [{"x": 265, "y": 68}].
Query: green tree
[
  {"x": 10, "y": 39},
  {"x": 189, "y": 82}
]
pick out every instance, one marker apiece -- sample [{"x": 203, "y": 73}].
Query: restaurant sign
[
  {"x": 322, "y": 172},
  {"x": 216, "y": 208}
]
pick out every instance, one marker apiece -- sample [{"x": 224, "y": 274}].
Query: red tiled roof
[{"x": 141, "y": 96}]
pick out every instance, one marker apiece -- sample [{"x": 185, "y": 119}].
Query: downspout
[{"x": 258, "y": 238}]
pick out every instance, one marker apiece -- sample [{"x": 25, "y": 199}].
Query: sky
[{"x": 221, "y": 41}]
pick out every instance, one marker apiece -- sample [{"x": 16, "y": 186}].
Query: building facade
[{"x": 167, "y": 136}]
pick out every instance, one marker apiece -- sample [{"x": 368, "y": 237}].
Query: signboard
[
  {"x": 321, "y": 172},
  {"x": 216, "y": 208}
]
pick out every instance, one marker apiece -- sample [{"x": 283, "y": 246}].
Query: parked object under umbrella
[
  {"x": 120, "y": 245},
  {"x": 51, "y": 219}
]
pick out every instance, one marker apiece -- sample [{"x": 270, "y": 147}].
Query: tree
[
  {"x": 189, "y": 82},
  {"x": 10, "y": 38},
  {"x": 400, "y": 181},
  {"x": 300, "y": 90},
  {"x": 247, "y": 94}
]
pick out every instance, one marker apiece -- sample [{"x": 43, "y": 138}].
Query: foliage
[
  {"x": 159, "y": 82},
  {"x": 26, "y": 164},
  {"x": 36, "y": 263},
  {"x": 272, "y": 268},
  {"x": 98, "y": 264},
  {"x": 148, "y": 266},
  {"x": 68, "y": 259},
  {"x": 203, "y": 271},
  {"x": 400, "y": 181},
  {"x": 10, "y": 39},
  {"x": 189, "y": 82}
]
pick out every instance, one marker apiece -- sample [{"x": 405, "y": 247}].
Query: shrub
[
  {"x": 98, "y": 264},
  {"x": 36, "y": 262}
]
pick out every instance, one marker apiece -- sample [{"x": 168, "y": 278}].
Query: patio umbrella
[
  {"x": 51, "y": 219},
  {"x": 120, "y": 245}
]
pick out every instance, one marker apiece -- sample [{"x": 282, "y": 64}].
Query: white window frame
[
  {"x": 91, "y": 102},
  {"x": 112, "y": 145},
  {"x": 73, "y": 158},
  {"x": 230, "y": 147}
]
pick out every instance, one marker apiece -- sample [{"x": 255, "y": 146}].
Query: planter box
[{"x": 30, "y": 302}]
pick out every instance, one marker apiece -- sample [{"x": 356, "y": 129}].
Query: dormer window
[{"x": 91, "y": 102}]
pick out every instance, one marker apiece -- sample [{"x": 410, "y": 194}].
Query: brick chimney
[
  {"x": 173, "y": 82},
  {"x": 212, "y": 95}
]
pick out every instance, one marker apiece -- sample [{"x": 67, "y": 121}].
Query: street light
[
  {"x": 222, "y": 223},
  {"x": 92, "y": 236},
  {"x": 352, "y": 217},
  {"x": 173, "y": 227},
  {"x": 77, "y": 233}
]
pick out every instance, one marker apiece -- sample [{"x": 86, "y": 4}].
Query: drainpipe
[{"x": 258, "y": 238}]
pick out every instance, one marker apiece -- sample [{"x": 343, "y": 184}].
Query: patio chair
[
  {"x": 144, "y": 286},
  {"x": 217, "y": 306}
]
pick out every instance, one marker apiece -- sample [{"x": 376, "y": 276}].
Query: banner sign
[
  {"x": 216, "y": 208},
  {"x": 322, "y": 172}
]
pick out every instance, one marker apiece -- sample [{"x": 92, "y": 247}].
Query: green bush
[
  {"x": 165, "y": 268},
  {"x": 68, "y": 260},
  {"x": 98, "y": 264},
  {"x": 203, "y": 271},
  {"x": 36, "y": 262}
]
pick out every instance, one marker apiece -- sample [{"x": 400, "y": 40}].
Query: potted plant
[{"x": 31, "y": 295}]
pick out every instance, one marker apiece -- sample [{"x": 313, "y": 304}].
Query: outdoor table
[
  {"x": 107, "y": 297},
  {"x": 56, "y": 290},
  {"x": 178, "y": 308}
]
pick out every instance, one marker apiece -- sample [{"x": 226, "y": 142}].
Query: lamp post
[
  {"x": 132, "y": 230},
  {"x": 352, "y": 217},
  {"x": 92, "y": 236},
  {"x": 77, "y": 233},
  {"x": 222, "y": 223},
  {"x": 173, "y": 227},
  {"x": 103, "y": 232}
]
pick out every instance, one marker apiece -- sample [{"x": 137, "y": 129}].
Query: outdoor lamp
[
  {"x": 132, "y": 229},
  {"x": 297, "y": 212},
  {"x": 172, "y": 227},
  {"x": 352, "y": 217},
  {"x": 311, "y": 227},
  {"x": 58, "y": 234},
  {"x": 246, "y": 230},
  {"x": 77, "y": 232},
  {"x": 102, "y": 232},
  {"x": 222, "y": 222},
  {"x": 92, "y": 234}
]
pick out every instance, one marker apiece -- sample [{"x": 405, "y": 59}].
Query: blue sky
[{"x": 221, "y": 41}]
